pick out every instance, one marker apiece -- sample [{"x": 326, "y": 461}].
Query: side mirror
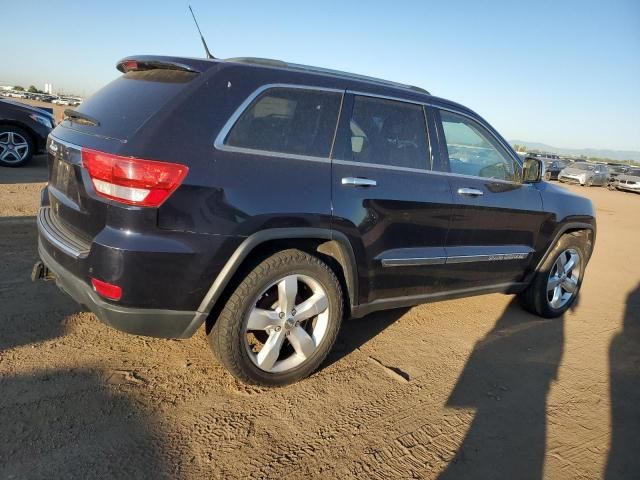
[{"x": 532, "y": 170}]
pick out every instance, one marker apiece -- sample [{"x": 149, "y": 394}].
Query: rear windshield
[{"x": 123, "y": 105}]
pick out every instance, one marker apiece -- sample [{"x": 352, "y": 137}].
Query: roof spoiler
[{"x": 141, "y": 63}]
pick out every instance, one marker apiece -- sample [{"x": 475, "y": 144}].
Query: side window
[
  {"x": 472, "y": 150},
  {"x": 387, "y": 132},
  {"x": 288, "y": 120}
]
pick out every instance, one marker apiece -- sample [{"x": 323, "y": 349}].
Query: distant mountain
[{"x": 589, "y": 152}]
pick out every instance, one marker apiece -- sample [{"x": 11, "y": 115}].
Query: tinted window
[
  {"x": 472, "y": 150},
  {"x": 288, "y": 120},
  {"x": 123, "y": 105},
  {"x": 387, "y": 132}
]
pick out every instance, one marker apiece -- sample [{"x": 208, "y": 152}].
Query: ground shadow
[
  {"x": 624, "y": 370},
  {"x": 355, "y": 332},
  {"x": 68, "y": 424},
  {"x": 33, "y": 172},
  {"x": 506, "y": 381},
  {"x": 29, "y": 312}
]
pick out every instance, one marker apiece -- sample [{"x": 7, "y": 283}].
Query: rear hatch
[{"x": 106, "y": 122}]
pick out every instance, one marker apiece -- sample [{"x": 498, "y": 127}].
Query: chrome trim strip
[
  {"x": 375, "y": 165},
  {"x": 498, "y": 257},
  {"x": 412, "y": 262},
  {"x": 266, "y": 153},
  {"x": 419, "y": 261}
]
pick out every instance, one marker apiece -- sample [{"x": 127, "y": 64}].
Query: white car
[{"x": 629, "y": 181}]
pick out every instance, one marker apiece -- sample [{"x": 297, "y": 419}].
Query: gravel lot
[{"x": 472, "y": 388}]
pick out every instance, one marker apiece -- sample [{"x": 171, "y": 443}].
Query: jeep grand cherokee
[{"x": 267, "y": 200}]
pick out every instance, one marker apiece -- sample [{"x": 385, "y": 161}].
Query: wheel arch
[
  {"x": 587, "y": 230},
  {"x": 333, "y": 246}
]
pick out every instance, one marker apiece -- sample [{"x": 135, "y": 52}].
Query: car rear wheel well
[{"x": 332, "y": 252}]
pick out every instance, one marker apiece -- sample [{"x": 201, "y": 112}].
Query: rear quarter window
[{"x": 288, "y": 120}]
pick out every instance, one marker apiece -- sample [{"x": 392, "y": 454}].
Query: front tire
[
  {"x": 555, "y": 287},
  {"x": 281, "y": 321},
  {"x": 16, "y": 146}
]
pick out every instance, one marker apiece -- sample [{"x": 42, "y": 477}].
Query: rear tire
[
  {"x": 280, "y": 322},
  {"x": 547, "y": 295},
  {"x": 16, "y": 146}
]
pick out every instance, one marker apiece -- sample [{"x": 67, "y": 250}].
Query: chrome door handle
[
  {"x": 472, "y": 192},
  {"x": 359, "y": 182}
]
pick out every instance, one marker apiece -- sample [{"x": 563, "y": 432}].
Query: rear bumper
[{"x": 139, "y": 321}]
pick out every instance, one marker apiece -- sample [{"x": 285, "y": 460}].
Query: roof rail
[{"x": 267, "y": 62}]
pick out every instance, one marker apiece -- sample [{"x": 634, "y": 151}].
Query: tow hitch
[{"x": 41, "y": 272}]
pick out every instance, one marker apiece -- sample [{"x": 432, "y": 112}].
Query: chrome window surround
[{"x": 222, "y": 135}]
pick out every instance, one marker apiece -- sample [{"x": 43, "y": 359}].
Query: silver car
[
  {"x": 585, "y": 174},
  {"x": 629, "y": 181}
]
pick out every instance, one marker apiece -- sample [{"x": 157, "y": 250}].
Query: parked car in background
[
  {"x": 585, "y": 174},
  {"x": 553, "y": 168},
  {"x": 544, "y": 156},
  {"x": 629, "y": 181},
  {"x": 23, "y": 132},
  {"x": 266, "y": 200}
]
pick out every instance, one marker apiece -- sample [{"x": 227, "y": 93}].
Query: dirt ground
[{"x": 472, "y": 388}]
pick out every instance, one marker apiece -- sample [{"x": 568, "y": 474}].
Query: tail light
[{"x": 133, "y": 181}]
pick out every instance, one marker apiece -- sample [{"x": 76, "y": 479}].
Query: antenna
[{"x": 206, "y": 49}]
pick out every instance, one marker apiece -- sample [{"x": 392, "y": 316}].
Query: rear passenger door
[
  {"x": 385, "y": 199},
  {"x": 495, "y": 218}
]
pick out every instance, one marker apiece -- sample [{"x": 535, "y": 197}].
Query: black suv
[{"x": 267, "y": 200}]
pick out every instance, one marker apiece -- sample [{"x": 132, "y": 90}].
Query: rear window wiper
[{"x": 81, "y": 118}]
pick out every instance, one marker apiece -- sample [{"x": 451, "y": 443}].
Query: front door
[
  {"x": 394, "y": 210},
  {"x": 495, "y": 218}
]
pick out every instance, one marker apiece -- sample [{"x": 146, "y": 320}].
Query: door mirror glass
[{"x": 533, "y": 170}]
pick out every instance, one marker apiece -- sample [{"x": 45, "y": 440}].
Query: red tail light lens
[
  {"x": 107, "y": 290},
  {"x": 144, "y": 183}
]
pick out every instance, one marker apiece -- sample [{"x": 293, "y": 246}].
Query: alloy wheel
[
  {"x": 13, "y": 147},
  {"x": 564, "y": 278},
  {"x": 287, "y": 323}
]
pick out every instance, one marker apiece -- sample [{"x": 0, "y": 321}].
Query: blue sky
[{"x": 565, "y": 73}]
